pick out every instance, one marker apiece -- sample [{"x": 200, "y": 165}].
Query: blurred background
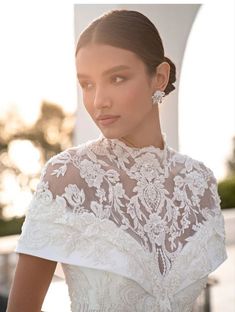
[{"x": 41, "y": 111}]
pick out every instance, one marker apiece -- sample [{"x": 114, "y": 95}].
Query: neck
[{"x": 147, "y": 133}]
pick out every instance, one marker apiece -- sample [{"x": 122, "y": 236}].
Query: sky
[
  {"x": 36, "y": 64},
  {"x": 36, "y": 56}
]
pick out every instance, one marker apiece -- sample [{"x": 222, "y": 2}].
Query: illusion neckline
[{"x": 148, "y": 148}]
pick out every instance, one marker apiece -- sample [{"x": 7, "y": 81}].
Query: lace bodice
[{"x": 136, "y": 229}]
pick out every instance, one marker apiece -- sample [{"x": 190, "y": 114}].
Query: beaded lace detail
[{"x": 150, "y": 208}]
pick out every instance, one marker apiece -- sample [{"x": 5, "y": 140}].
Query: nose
[{"x": 101, "y": 98}]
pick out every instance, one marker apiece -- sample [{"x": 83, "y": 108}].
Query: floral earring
[{"x": 157, "y": 97}]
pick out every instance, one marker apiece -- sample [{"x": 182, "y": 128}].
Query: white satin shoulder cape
[{"x": 136, "y": 229}]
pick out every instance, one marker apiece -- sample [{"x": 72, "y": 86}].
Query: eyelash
[
  {"x": 84, "y": 84},
  {"x": 123, "y": 78}
]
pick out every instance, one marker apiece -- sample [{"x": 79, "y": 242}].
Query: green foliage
[
  {"x": 226, "y": 187},
  {"x": 226, "y": 190},
  {"x": 231, "y": 161},
  {"x": 11, "y": 227}
]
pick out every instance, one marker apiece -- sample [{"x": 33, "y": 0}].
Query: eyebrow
[{"x": 108, "y": 71}]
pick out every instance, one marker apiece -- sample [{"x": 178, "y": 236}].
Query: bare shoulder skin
[{"x": 32, "y": 278}]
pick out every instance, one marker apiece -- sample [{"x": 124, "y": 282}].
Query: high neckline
[{"x": 149, "y": 148}]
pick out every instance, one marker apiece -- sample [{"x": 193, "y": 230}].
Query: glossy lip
[
  {"x": 101, "y": 117},
  {"x": 104, "y": 120}
]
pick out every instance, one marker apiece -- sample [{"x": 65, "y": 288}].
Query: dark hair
[{"x": 132, "y": 31}]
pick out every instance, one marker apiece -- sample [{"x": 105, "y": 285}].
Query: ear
[{"x": 162, "y": 76}]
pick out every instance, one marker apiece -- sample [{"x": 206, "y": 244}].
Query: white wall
[{"x": 206, "y": 91}]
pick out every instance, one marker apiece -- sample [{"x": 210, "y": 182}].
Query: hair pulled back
[{"x": 130, "y": 30}]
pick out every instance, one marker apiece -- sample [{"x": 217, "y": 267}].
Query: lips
[
  {"x": 103, "y": 117},
  {"x": 107, "y": 120}
]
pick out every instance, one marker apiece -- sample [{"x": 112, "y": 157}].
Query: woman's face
[{"x": 114, "y": 83}]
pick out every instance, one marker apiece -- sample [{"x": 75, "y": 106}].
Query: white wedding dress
[{"x": 136, "y": 229}]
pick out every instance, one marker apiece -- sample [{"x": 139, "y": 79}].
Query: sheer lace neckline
[{"x": 149, "y": 148}]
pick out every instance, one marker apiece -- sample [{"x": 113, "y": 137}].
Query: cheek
[
  {"x": 87, "y": 104},
  {"x": 89, "y": 108},
  {"x": 135, "y": 97}
]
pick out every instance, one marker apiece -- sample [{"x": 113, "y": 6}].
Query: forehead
[{"x": 97, "y": 58}]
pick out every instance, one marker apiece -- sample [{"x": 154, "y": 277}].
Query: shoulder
[
  {"x": 194, "y": 176},
  {"x": 188, "y": 165},
  {"x": 194, "y": 187},
  {"x": 62, "y": 168},
  {"x": 60, "y": 161}
]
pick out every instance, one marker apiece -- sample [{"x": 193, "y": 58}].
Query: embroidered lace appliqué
[
  {"x": 159, "y": 197},
  {"x": 148, "y": 214}
]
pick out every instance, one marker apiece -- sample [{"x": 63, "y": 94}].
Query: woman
[{"x": 136, "y": 225}]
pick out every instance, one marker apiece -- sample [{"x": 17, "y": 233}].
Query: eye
[
  {"x": 115, "y": 79},
  {"x": 85, "y": 85}
]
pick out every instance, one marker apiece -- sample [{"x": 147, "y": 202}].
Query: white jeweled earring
[{"x": 157, "y": 97}]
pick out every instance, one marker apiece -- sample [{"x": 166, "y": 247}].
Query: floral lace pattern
[{"x": 148, "y": 219}]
